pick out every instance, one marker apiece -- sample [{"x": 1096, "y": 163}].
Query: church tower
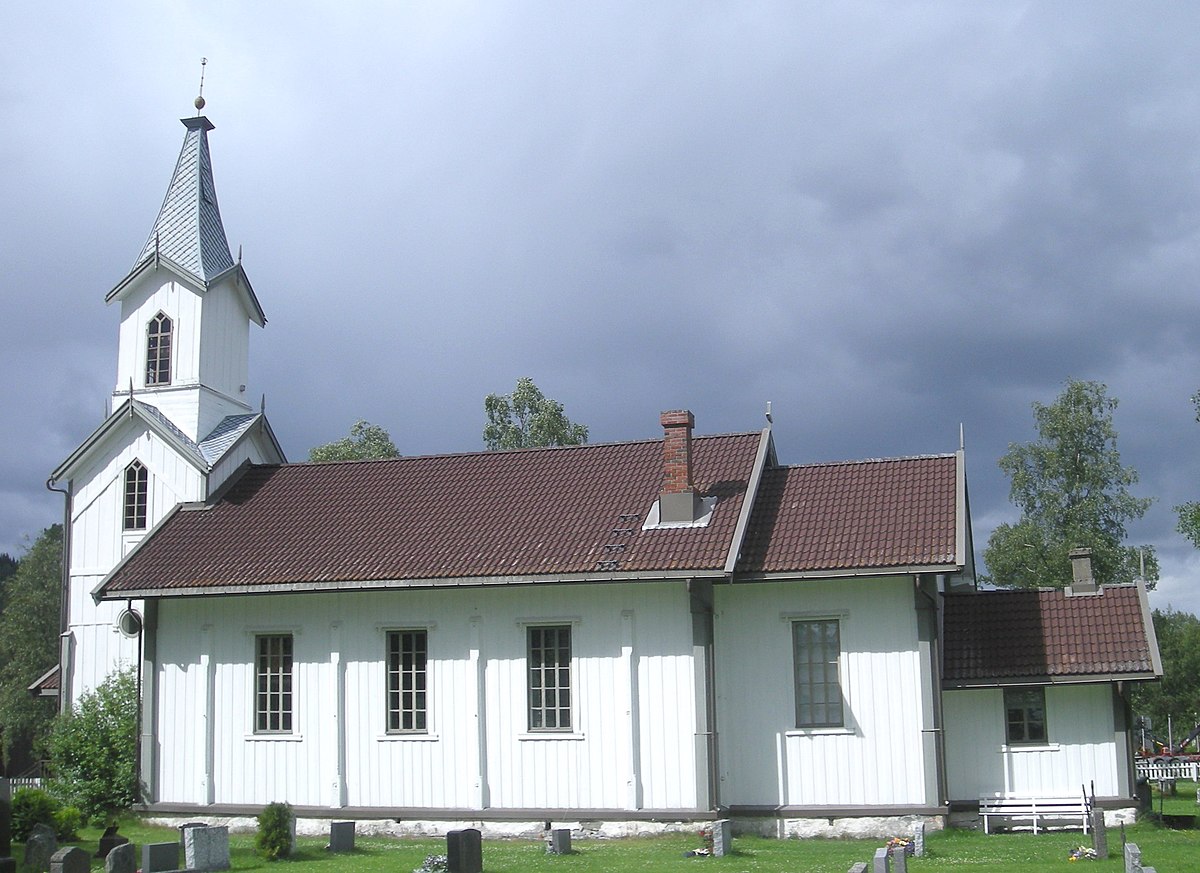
[{"x": 180, "y": 425}]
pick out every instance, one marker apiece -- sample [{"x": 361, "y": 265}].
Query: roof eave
[
  {"x": 1074, "y": 679},
  {"x": 384, "y": 584},
  {"x": 898, "y": 570}
]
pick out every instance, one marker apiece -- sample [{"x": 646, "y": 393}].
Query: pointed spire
[{"x": 188, "y": 230}]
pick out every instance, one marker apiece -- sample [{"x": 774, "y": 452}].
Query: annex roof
[
  {"x": 856, "y": 515},
  {"x": 1049, "y": 635},
  {"x": 536, "y": 514}
]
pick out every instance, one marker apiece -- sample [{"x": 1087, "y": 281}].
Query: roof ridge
[{"x": 861, "y": 461}]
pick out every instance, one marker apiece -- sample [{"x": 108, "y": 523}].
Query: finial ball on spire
[{"x": 199, "y": 103}]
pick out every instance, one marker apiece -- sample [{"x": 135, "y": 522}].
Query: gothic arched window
[
  {"x": 158, "y": 350},
  {"x": 137, "y": 480}
]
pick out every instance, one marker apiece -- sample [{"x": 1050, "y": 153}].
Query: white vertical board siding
[
  {"x": 618, "y": 631},
  {"x": 877, "y": 759},
  {"x": 225, "y": 340},
  {"x": 1081, "y": 749}
]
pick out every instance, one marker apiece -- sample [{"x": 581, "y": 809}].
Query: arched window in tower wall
[
  {"x": 158, "y": 350},
  {"x": 137, "y": 480}
]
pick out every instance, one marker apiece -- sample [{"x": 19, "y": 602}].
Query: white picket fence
[{"x": 1177, "y": 770}]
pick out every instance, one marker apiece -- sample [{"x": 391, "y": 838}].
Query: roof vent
[
  {"x": 1081, "y": 572},
  {"x": 678, "y": 503}
]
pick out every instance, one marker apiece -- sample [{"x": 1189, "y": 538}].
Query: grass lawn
[{"x": 1162, "y": 848}]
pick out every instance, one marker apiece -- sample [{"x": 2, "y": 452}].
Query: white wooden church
[{"x": 668, "y": 629}]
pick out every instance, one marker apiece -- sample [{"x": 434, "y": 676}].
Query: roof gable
[
  {"x": 492, "y": 516},
  {"x": 999, "y": 637}
]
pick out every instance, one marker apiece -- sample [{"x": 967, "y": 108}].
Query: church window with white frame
[
  {"x": 158, "y": 350},
  {"x": 817, "y": 647},
  {"x": 273, "y": 684},
  {"x": 137, "y": 487},
  {"x": 407, "y": 681},
  {"x": 549, "y": 678}
]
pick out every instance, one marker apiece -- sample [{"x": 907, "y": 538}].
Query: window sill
[
  {"x": 819, "y": 732},
  {"x": 274, "y": 738},
  {"x": 1030, "y": 747},
  {"x": 549, "y": 735},
  {"x": 407, "y": 738}
]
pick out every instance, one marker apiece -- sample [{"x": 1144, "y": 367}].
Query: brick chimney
[
  {"x": 1081, "y": 572},
  {"x": 678, "y": 501}
]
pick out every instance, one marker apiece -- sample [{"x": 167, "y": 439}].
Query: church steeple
[{"x": 188, "y": 230}]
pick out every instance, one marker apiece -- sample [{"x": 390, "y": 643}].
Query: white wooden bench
[{"x": 1035, "y": 809}]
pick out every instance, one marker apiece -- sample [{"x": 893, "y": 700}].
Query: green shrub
[
  {"x": 31, "y": 806},
  {"x": 274, "y": 840},
  {"x": 67, "y": 822},
  {"x": 93, "y": 750}
]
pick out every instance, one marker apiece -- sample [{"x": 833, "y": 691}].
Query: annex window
[
  {"x": 137, "y": 481},
  {"x": 550, "y": 678},
  {"x": 816, "y": 647},
  {"x": 407, "y": 697},
  {"x": 1025, "y": 715},
  {"x": 273, "y": 684},
  {"x": 158, "y": 350}
]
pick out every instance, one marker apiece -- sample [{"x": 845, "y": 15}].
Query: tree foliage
[
  {"x": 29, "y": 628},
  {"x": 1073, "y": 492},
  {"x": 1177, "y": 694},
  {"x": 366, "y": 442},
  {"x": 93, "y": 749},
  {"x": 527, "y": 419},
  {"x": 1189, "y": 513}
]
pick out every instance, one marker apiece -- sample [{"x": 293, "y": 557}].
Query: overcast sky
[{"x": 889, "y": 219}]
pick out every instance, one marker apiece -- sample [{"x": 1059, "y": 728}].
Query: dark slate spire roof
[{"x": 188, "y": 230}]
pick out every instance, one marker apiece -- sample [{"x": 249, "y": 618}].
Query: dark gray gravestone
[
  {"x": 121, "y": 859},
  {"x": 559, "y": 842},
  {"x": 40, "y": 846},
  {"x": 109, "y": 841},
  {"x": 464, "y": 851},
  {"x": 899, "y": 859},
  {"x": 1099, "y": 834},
  {"x": 157, "y": 857},
  {"x": 879, "y": 864},
  {"x": 341, "y": 836},
  {"x": 72, "y": 859},
  {"x": 722, "y": 832}
]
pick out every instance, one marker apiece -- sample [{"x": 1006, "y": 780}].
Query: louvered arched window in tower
[
  {"x": 158, "y": 350},
  {"x": 137, "y": 480}
]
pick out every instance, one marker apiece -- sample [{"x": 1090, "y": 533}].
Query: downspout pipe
[{"x": 64, "y": 591}]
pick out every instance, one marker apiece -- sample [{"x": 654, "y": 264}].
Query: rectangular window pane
[
  {"x": 549, "y": 660},
  {"x": 816, "y": 647},
  {"x": 273, "y": 683},
  {"x": 1025, "y": 715},
  {"x": 407, "y": 660}
]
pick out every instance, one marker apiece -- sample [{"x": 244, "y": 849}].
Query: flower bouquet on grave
[
  {"x": 706, "y": 835},
  {"x": 1082, "y": 853},
  {"x": 899, "y": 842}
]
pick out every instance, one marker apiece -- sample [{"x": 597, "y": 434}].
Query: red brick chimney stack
[{"x": 677, "y": 502}]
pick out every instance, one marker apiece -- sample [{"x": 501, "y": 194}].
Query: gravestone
[
  {"x": 879, "y": 863},
  {"x": 559, "y": 842},
  {"x": 919, "y": 840},
  {"x": 122, "y": 859},
  {"x": 109, "y": 841},
  {"x": 722, "y": 831},
  {"x": 464, "y": 851},
  {"x": 206, "y": 848},
  {"x": 1099, "y": 834},
  {"x": 858, "y": 867},
  {"x": 341, "y": 836},
  {"x": 899, "y": 859},
  {"x": 1133, "y": 858},
  {"x": 157, "y": 857},
  {"x": 72, "y": 859},
  {"x": 40, "y": 846}
]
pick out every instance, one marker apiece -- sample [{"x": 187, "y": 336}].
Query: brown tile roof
[
  {"x": 532, "y": 513},
  {"x": 1044, "y": 634},
  {"x": 854, "y": 515}
]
